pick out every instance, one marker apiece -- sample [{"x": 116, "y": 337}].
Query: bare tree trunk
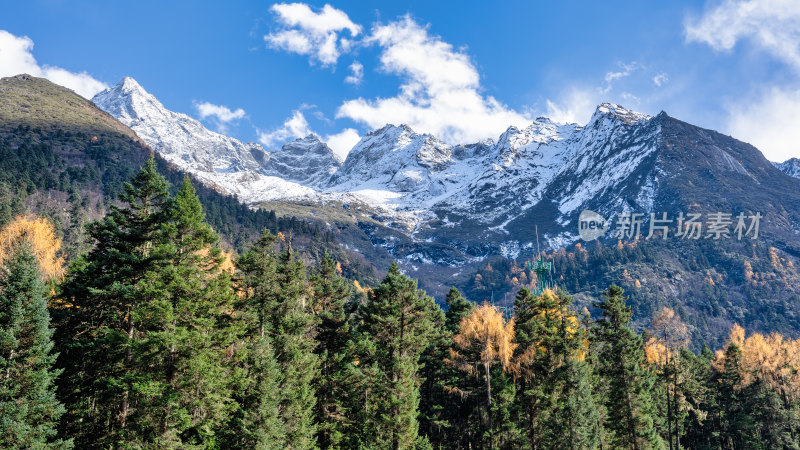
[
  {"x": 675, "y": 408},
  {"x": 489, "y": 404},
  {"x": 10, "y": 359},
  {"x": 124, "y": 410}
]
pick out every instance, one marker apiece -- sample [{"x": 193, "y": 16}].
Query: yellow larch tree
[
  {"x": 485, "y": 339},
  {"x": 41, "y": 235},
  {"x": 774, "y": 359}
]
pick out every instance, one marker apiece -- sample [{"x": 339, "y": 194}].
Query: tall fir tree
[
  {"x": 187, "y": 333},
  {"x": 627, "y": 377},
  {"x": 29, "y": 409},
  {"x": 735, "y": 425},
  {"x": 458, "y": 307},
  {"x": 100, "y": 335},
  {"x": 257, "y": 422},
  {"x": 696, "y": 424},
  {"x": 398, "y": 319},
  {"x": 332, "y": 333},
  {"x": 292, "y": 328},
  {"x": 445, "y": 407},
  {"x": 556, "y": 398}
]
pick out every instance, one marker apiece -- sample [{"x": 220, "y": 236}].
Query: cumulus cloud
[
  {"x": 772, "y": 25},
  {"x": 626, "y": 69},
  {"x": 295, "y": 126},
  {"x": 767, "y": 117},
  {"x": 316, "y": 34},
  {"x": 221, "y": 113},
  {"x": 769, "y": 123},
  {"x": 575, "y": 106},
  {"x": 341, "y": 143},
  {"x": 440, "y": 92},
  {"x": 356, "y": 73},
  {"x": 16, "y": 57}
]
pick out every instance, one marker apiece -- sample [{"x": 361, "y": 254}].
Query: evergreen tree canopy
[
  {"x": 29, "y": 410},
  {"x": 399, "y": 319},
  {"x": 628, "y": 379}
]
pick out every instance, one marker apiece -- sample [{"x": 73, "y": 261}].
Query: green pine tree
[
  {"x": 106, "y": 379},
  {"x": 187, "y": 332},
  {"x": 445, "y": 408},
  {"x": 332, "y": 331},
  {"x": 458, "y": 307},
  {"x": 29, "y": 410},
  {"x": 256, "y": 421},
  {"x": 293, "y": 327},
  {"x": 628, "y": 379},
  {"x": 399, "y": 320},
  {"x": 556, "y": 398}
]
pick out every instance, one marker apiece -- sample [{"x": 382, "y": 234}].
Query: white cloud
[
  {"x": 356, "y": 73},
  {"x": 221, "y": 113},
  {"x": 626, "y": 70},
  {"x": 660, "y": 79},
  {"x": 773, "y": 25},
  {"x": 770, "y": 123},
  {"x": 312, "y": 33},
  {"x": 767, "y": 118},
  {"x": 441, "y": 91},
  {"x": 630, "y": 98},
  {"x": 295, "y": 126},
  {"x": 16, "y": 57},
  {"x": 341, "y": 143},
  {"x": 611, "y": 77},
  {"x": 575, "y": 106}
]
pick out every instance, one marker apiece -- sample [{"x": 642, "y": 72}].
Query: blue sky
[{"x": 463, "y": 71}]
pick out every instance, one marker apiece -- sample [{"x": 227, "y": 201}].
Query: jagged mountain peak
[
  {"x": 615, "y": 111},
  {"x": 179, "y": 138},
  {"x": 311, "y": 145},
  {"x": 129, "y": 84},
  {"x": 390, "y": 128},
  {"x": 307, "y": 161},
  {"x": 790, "y": 167}
]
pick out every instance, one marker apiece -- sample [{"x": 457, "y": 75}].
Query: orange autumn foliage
[
  {"x": 486, "y": 332},
  {"x": 40, "y": 234},
  {"x": 773, "y": 359},
  {"x": 670, "y": 335},
  {"x": 226, "y": 263}
]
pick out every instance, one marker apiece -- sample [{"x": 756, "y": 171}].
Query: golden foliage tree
[
  {"x": 773, "y": 359},
  {"x": 670, "y": 335},
  {"x": 484, "y": 339},
  {"x": 41, "y": 235}
]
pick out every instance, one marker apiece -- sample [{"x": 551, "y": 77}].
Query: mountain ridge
[
  {"x": 494, "y": 199},
  {"x": 544, "y": 174}
]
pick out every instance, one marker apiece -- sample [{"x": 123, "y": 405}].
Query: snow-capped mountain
[
  {"x": 231, "y": 165},
  {"x": 444, "y": 204},
  {"x": 307, "y": 161},
  {"x": 790, "y": 167},
  {"x": 179, "y": 138},
  {"x": 493, "y": 183}
]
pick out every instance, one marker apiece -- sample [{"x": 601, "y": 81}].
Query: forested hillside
[
  {"x": 139, "y": 309},
  {"x": 162, "y": 339},
  {"x": 64, "y": 159},
  {"x": 711, "y": 284}
]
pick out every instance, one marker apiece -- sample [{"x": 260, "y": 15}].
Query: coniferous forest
[{"x": 156, "y": 336}]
